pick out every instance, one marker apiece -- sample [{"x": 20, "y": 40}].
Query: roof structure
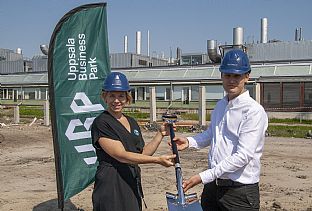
[
  {"x": 24, "y": 79},
  {"x": 176, "y": 74}
]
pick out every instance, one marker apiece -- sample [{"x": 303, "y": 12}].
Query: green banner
[{"x": 78, "y": 62}]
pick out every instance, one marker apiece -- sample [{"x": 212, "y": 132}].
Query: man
[{"x": 236, "y": 137}]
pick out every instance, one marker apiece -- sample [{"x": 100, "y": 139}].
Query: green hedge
[
  {"x": 31, "y": 111},
  {"x": 288, "y": 131}
]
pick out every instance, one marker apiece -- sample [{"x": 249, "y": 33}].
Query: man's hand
[
  {"x": 182, "y": 143},
  {"x": 191, "y": 182}
]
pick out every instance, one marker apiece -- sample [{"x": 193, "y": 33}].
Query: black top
[
  {"x": 117, "y": 185},
  {"x": 105, "y": 125}
]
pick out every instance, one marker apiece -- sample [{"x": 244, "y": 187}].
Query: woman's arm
[
  {"x": 116, "y": 150},
  {"x": 151, "y": 147}
]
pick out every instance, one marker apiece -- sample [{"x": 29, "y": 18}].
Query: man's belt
[{"x": 228, "y": 183}]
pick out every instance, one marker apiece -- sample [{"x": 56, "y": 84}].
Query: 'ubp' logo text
[{"x": 70, "y": 131}]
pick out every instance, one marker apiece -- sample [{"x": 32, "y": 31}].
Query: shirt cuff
[
  {"x": 206, "y": 176},
  {"x": 192, "y": 142}
]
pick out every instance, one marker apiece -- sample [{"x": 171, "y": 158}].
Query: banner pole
[
  {"x": 59, "y": 180},
  {"x": 57, "y": 156}
]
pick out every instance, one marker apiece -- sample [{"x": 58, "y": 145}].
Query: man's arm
[
  {"x": 201, "y": 140},
  {"x": 251, "y": 135}
]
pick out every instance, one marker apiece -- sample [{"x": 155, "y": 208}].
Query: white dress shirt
[{"x": 236, "y": 138}]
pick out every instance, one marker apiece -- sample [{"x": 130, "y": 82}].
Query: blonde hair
[{"x": 129, "y": 96}]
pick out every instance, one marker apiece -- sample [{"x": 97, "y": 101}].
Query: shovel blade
[{"x": 192, "y": 206}]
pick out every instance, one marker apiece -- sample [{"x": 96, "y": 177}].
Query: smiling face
[
  {"x": 116, "y": 101},
  {"x": 234, "y": 84}
]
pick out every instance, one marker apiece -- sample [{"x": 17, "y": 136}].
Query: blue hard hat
[
  {"x": 235, "y": 62},
  {"x": 116, "y": 81}
]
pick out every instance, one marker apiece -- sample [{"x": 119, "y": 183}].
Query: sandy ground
[{"x": 27, "y": 179}]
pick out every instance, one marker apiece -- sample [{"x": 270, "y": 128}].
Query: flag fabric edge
[{"x": 56, "y": 146}]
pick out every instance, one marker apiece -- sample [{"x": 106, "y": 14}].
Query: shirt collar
[{"x": 237, "y": 100}]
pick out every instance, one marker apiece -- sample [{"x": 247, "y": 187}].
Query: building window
[
  {"x": 186, "y": 61},
  {"x": 271, "y": 95},
  {"x": 132, "y": 91},
  {"x": 307, "y": 94},
  {"x": 168, "y": 94},
  {"x": 29, "y": 94},
  {"x": 214, "y": 92},
  {"x": 147, "y": 94},
  {"x": 251, "y": 89},
  {"x": 160, "y": 92},
  {"x": 142, "y": 62},
  {"x": 192, "y": 59},
  {"x": 186, "y": 95},
  {"x": 141, "y": 93},
  {"x": 195, "y": 93},
  {"x": 291, "y": 95},
  {"x": 177, "y": 90},
  {"x": 10, "y": 95}
]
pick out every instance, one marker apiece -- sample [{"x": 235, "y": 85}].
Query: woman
[{"x": 120, "y": 148}]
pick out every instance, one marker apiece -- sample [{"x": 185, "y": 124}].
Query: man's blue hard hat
[
  {"x": 235, "y": 62},
  {"x": 116, "y": 81}
]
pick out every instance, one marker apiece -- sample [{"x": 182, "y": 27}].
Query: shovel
[{"x": 179, "y": 201}]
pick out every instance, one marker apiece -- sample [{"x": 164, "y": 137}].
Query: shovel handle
[
  {"x": 181, "y": 197},
  {"x": 173, "y": 144}
]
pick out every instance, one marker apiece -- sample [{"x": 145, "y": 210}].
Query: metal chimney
[
  {"x": 179, "y": 54},
  {"x": 148, "y": 43},
  {"x": 125, "y": 44},
  {"x": 19, "y": 51},
  {"x": 238, "y": 36},
  {"x": 138, "y": 42},
  {"x": 264, "y": 30},
  {"x": 212, "y": 51},
  {"x": 162, "y": 55},
  {"x": 297, "y": 34},
  {"x": 44, "y": 49},
  {"x": 300, "y": 34}
]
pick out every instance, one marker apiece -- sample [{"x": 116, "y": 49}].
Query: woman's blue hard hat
[
  {"x": 235, "y": 62},
  {"x": 116, "y": 81}
]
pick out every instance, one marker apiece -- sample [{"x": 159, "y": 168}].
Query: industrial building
[{"x": 281, "y": 77}]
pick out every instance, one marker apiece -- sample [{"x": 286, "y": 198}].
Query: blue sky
[{"x": 187, "y": 24}]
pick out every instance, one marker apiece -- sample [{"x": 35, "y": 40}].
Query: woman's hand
[
  {"x": 191, "y": 182},
  {"x": 165, "y": 129},
  {"x": 166, "y": 160}
]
